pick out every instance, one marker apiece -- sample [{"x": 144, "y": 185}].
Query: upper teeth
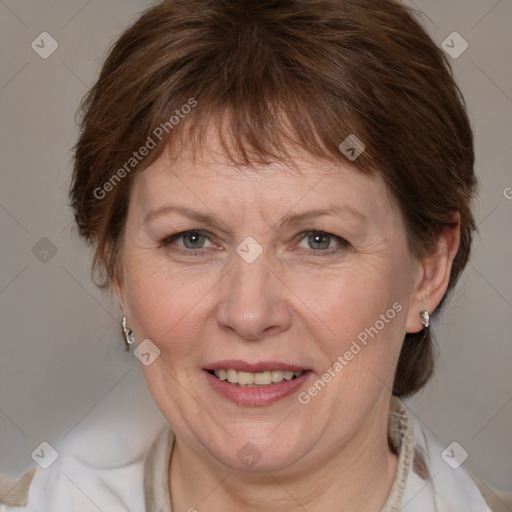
[{"x": 260, "y": 378}]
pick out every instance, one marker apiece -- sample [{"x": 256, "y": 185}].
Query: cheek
[
  {"x": 351, "y": 298},
  {"x": 360, "y": 312},
  {"x": 358, "y": 327},
  {"x": 164, "y": 300}
]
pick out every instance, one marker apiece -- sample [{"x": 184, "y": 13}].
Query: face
[{"x": 227, "y": 269}]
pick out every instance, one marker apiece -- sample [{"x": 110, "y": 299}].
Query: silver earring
[
  {"x": 425, "y": 318},
  {"x": 129, "y": 337}
]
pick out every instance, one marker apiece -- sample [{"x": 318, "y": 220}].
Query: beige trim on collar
[
  {"x": 404, "y": 458},
  {"x": 14, "y": 492},
  {"x": 157, "y": 495}
]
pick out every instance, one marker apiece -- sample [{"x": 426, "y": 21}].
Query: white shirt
[{"x": 125, "y": 468}]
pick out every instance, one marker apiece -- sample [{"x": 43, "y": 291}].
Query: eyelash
[{"x": 318, "y": 252}]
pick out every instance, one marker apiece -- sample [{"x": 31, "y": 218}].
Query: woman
[{"x": 278, "y": 193}]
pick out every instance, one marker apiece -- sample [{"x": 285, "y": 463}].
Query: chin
[{"x": 258, "y": 452}]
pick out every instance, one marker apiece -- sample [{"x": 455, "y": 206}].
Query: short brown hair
[{"x": 277, "y": 73}]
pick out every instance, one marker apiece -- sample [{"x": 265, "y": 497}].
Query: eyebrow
[{"x": 287, "y": 221}]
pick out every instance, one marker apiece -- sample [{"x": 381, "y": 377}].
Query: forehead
[{"x": 208, "y": 177}]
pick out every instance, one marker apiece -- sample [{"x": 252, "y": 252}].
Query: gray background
[{"x": 61, "y": 351}]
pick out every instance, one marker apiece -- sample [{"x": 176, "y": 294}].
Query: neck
[{"x": 358, "y": 477}]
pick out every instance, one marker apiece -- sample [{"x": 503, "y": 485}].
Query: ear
[{"x": 434, "y": 275}]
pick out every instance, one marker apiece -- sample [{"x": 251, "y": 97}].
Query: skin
[{"x": 289, "y": 305}]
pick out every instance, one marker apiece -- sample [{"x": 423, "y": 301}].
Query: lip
[
  {"x": 257, "y": 396},
  {"x": 261, "y": 366}
]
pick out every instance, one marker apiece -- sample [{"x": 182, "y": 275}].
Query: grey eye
[
  {"x": 319, "y": 241},
  {"x": 196, "y": 240}
]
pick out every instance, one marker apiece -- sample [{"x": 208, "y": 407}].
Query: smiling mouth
[{"x": 260, "y": 379}]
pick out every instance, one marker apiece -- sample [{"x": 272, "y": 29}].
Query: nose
[{"x": 253, "y": 302}]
